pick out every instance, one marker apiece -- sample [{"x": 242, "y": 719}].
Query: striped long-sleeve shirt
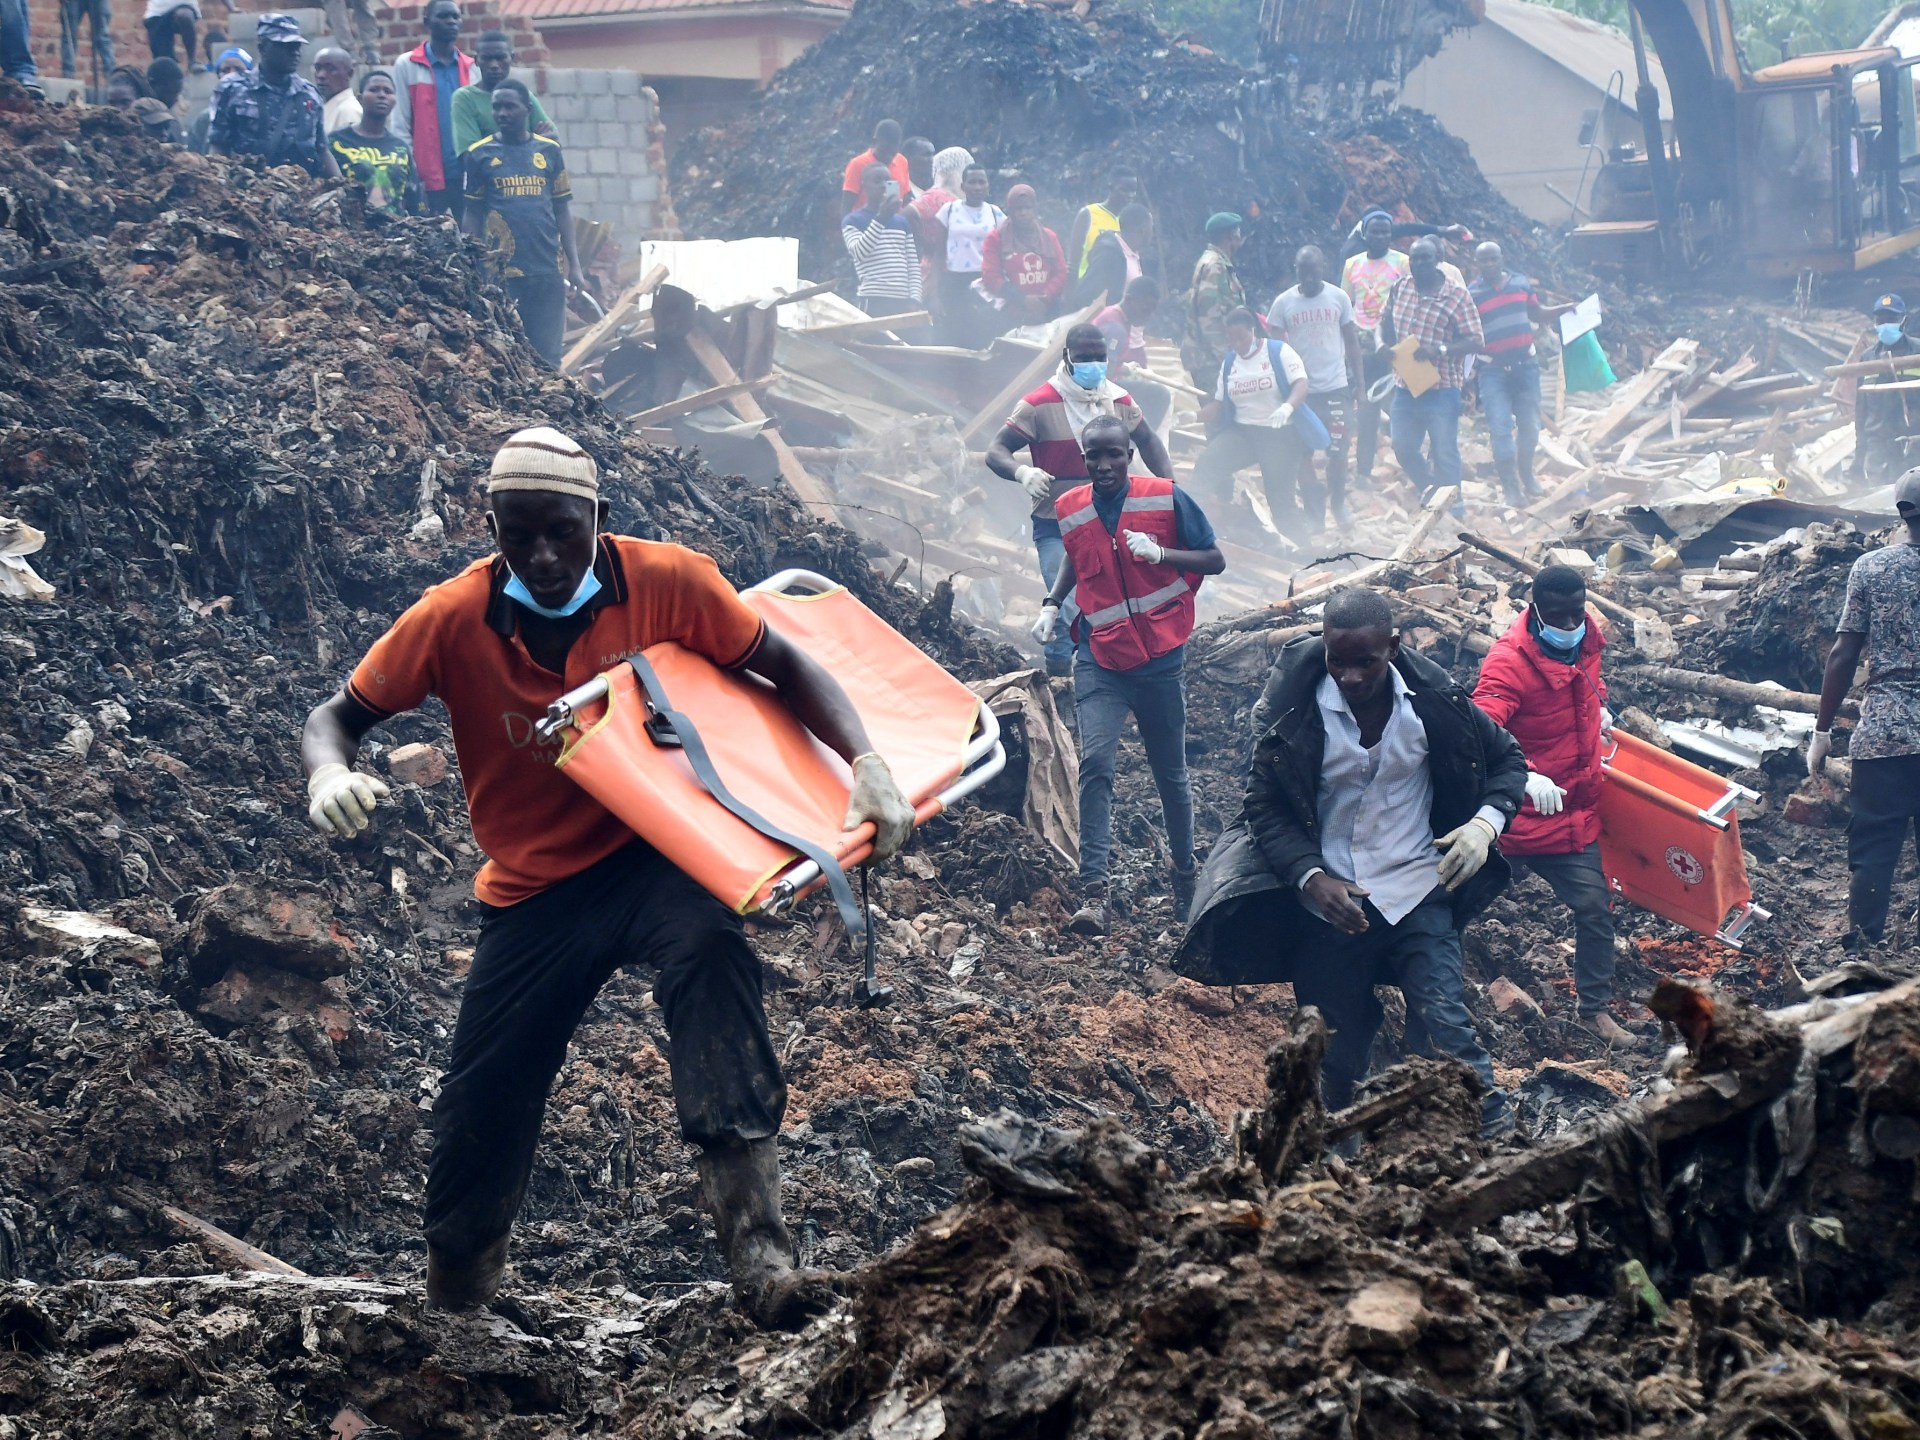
[{"x": 884, "y": 255}]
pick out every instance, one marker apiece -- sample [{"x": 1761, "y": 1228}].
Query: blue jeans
[
  {"x": 1579, "y": 884},
  {"x": 1421, "y": 955},
  {"x": 1432, "y": 419},
  {"x": 16, "y": 55},
  {"x": 1510, "y": 400},
  {"x": 1159, "y": 707},
  {"x": 1052, "y": 550}
]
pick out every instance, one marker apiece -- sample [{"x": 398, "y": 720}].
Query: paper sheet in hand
[
  {"x": 1419, "y": 376},
  {"x": 1578, "y": 321}
]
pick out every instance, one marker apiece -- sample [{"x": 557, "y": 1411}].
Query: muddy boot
[
  {"x": 742, "y": 1184},
  {"x": 1183, "y": 882},
  {"x": 1529, "y": 487},
  {"x": 1094, "y": 917},
  {"x": 466, "y": 1284},
  {"x": 1602, "y": 1025}
]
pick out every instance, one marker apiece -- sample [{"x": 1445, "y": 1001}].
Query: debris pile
[
  {"x": 250, "y": 432},
  {"x": 1061, "y": 101}
]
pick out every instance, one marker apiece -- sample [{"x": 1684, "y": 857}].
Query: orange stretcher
[
  {"x": 1670, "y": 840},
  {"x": 713, "y": 770}
]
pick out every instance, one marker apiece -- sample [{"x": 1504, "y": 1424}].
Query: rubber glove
[
  {"x": 1144, "y": 547},
  {"x": 341, "y": 801},
  {"x": 877, "y": 798},
  {"x": 1048, "y": 622},
  {"x": 1547, "y": 797},
  {"x": 1036, "y": 482},
  {"x": 1818, "y": 748},
  {"x": 1466, "y": 851},
  {"x": 1285, "y": 413}
]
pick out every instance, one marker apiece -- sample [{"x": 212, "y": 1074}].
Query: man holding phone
[{"x": 879, "y": 237}]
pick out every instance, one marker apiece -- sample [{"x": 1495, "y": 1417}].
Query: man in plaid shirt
[{"x": 1441, "y": 316}]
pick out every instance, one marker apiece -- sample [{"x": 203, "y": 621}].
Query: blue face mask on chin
[
  {"x": 1889, "y": 334},
  {"x": 588, "y": 588},
  {"x": 1563, "y": 639},
  {"x": 1088, "y": 374}
]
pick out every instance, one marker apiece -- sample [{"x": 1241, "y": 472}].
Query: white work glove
[
  {"x": 1606, "y": 723},
  {"x": 877, "y": 798},
  {"x": 1144, "y": 547},
  {"x": 1547, "y": 797},
  {"x": 341, "y": 801},
  {"x": 1048, "y": 622},
  {"x": 1465, "y": 851},
  {"x": 1818, "y": 748},
  {"x": 1285, "y": 413},
  {"x": 1036, "y": 482}
]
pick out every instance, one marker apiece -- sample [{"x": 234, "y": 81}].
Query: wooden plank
[
  {"x": 221, "y": 1243},
  {"x": 1607, "y": 607},
  {"x": 798, "y": 477},
  {"x": 909, "y": 319},
  {"x": 1641, "y": 388},
  {"x": 699, "y": 400},
  {"x": 994, "y": 414},
  {"x": 606, "y": 324},
  {"x": 1430, "y": 514}
]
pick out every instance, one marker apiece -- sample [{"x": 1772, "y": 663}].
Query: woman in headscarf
[
  {"x": 925, "y": 207},
  {"x": 233, "y": 61},
  {"x": 1023, "y": 270}
]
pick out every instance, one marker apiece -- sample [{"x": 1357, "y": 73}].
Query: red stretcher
[
  {"x": 1670, "y": 840},
  {"x": 713, "y": 770}
]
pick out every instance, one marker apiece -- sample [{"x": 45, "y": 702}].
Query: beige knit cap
[{"x": 544, "y": 459}]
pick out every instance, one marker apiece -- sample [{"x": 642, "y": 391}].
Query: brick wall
[{"x": 129, "y": 38}]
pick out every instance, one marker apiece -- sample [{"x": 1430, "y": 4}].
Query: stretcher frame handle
[
  {"x": 1717, "y": 814},
  {"x": 985, "y": 756}
]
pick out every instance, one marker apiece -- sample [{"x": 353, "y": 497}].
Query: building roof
[
  {"x": 1586, "y": 48},
  {"x": 542, "y": 11}
]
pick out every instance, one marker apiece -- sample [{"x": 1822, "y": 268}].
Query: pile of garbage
[
  {"x": 1061, "y": 100},
  {"x": 250, "y": 428}
]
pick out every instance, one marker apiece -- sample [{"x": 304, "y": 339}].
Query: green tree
[
  {"x": 1229, "y": 28},
  {"x": 1763, "y": 26}
]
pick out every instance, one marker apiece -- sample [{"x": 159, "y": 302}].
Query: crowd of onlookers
[{"x": 437, "y": 132}]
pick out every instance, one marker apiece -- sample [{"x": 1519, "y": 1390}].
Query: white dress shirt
[{"x": 1376, "y": 805}]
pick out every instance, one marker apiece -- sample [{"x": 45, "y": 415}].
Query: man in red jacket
[
  {"x": 1541, "y": 682},
  {"x": 427, "y": 78}
]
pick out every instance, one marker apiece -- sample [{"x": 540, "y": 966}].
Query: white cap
[{"x": 544, "y": 459}]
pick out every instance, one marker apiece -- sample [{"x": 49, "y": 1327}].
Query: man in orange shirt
[
  {"x": 886, "y": 151},
  {"x": 569, "y": 894}
]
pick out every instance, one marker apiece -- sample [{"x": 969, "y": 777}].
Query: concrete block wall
[{"x": 609, "y": 123}]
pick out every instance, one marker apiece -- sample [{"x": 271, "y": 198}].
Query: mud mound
[{"x": 1041, "y": 96}]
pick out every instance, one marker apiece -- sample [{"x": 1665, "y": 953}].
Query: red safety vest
[{"x": 1135, "y": 612}]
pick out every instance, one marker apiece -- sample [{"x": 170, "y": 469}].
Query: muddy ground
[{"x": 218, "y": 395}]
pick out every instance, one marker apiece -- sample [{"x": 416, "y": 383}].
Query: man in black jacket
[{"x": 1364, "y": 845}]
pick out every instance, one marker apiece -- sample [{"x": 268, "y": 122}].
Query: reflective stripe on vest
[
  {"x": 1137, "y": 604},
  {"x": 1131, "y": 611}
]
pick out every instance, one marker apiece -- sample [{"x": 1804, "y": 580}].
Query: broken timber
[{"x": 1556, "y": 1170}]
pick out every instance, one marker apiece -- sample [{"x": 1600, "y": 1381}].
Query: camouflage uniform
[{"x": 1216, "y": 293}]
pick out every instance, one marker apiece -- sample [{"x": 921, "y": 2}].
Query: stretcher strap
[{"x": 852, "y": 913}]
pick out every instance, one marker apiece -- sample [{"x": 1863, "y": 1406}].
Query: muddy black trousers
[
  {"x": 1886, "y": 806},
  {"x": 536, "y": 969}
]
